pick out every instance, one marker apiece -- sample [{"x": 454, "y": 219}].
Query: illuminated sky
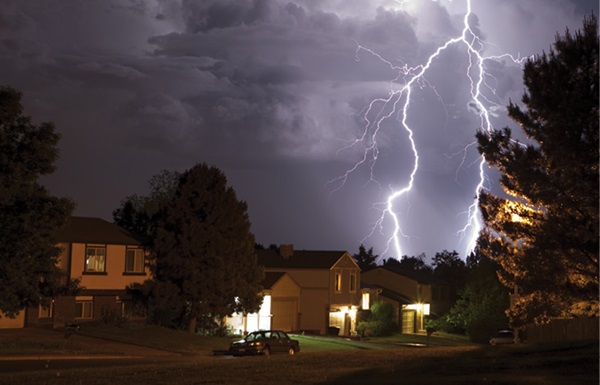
[{"x": 272, "y": 92}]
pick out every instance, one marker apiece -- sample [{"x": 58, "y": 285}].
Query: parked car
[
  {"x": 265, "y": 342},
  {"x": 503, "y": 337}
]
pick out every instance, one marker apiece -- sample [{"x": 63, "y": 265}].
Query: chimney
[{"x": 286, "y": 251}]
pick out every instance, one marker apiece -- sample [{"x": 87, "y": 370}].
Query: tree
[
  {"x": 138, "y": 214},
  {"x": 204, "y": 249},
  {"x": 410, "y": 265},
  {"x": 544, "y": 232},
  {"x": 479, "y": 310},
  {"x": 29, "y": 215},
  {"x": 448, "y": 267},
  {"x": 365, "y": 259}
]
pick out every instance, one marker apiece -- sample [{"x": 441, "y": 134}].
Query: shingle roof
[
  {"x": 301, "y": 259},
  {"x": 95, "y": 230},
  {"x": 271, "y": 279}
]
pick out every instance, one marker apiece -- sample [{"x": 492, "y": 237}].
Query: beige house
[
  {"x": 322, "y": 290},
  {"x": 279, "y": 310},
  {"x": 413, "y": 296},
  {"x": 107, "y": 260}
]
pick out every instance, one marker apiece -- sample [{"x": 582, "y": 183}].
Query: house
[
  {"x": 107, "y": 260},
  {"x": 412, "y": 295},
  {"x": 320, "y": 290},
  {"x": 279, "y": 309}
]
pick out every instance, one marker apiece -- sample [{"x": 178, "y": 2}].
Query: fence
[{"x": 564, "y": 329}]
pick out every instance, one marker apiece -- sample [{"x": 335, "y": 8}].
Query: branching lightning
[{"x": 397, "y": 105}]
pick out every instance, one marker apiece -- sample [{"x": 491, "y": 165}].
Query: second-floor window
[
  {"x": 352, "y": 282},
  {"x": 338, "y": 281},
  {"x": 95, "y": 259},
  {"x": 134, "y": 261}
]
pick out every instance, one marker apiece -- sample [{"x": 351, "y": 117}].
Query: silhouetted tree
[
  {"x": 204, "y": 249},
  {"x": 448, "y": 267},
  {"x": 544, "y": 235},
  {"x": 410, "y": 265},
  {"x": 29, "y": 215},
  {"x": 138, "y": 214},
  {"x": 365, "y": 259},
  {"x": 480, "y": 308}
]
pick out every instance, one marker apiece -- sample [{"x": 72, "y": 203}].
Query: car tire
[
  {"x": 291, "y": 351},
  {"x": 266, "y": 351}
]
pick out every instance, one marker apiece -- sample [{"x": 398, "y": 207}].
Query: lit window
[
  {"x": 352, "y": 282},
  {"x": 84, "y": 309},
  {"x": 338, "y": 281},
  {"x": 365, "y": 300},
  {"x": 134, "y": 261},
  {"x": 95, "y": 259}
]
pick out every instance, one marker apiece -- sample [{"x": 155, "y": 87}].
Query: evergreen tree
[
  {"x": 29, "y": 215},
  {"x": 544, "y": 233},
  {"x": 365, "y": 259},
  {"x": 205, "y": 251}
]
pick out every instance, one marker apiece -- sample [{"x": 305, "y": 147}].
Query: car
[
  {"x": 503, "y": 337},
  {"x": 265, "y": 342}
]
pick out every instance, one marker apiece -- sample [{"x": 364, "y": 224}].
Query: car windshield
[{"x": 254, "y": 336}]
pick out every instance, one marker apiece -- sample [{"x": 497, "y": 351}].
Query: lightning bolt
[{"x": 397, "y": 104}]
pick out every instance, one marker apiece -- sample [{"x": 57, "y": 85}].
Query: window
[
  {"x": 134, "y": 261},
  {"x": 352, "y": 282},
  {"x": 338, "y": 281},
  {"x": 95, "y": 259},
  {"x": 84, "y": 309}
]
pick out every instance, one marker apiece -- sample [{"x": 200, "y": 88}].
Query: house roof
[
  {"x": 419, "y": 276},
  {"x": 300, "y": 259},
  {"x": 271, "y": 279},
  {"x": 393, "y": 295},
  {"x": 95, "y": 230}
]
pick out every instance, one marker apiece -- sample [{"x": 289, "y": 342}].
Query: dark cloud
[{"x": 276, "y": 93}]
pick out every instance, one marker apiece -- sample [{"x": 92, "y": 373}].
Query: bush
[{"x": 380, "y": 321}]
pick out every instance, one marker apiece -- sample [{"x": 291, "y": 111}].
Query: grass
[{"x": 325, "y": 361}]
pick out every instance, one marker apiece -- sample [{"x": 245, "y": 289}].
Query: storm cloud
[{"x": 276, "y": 94}]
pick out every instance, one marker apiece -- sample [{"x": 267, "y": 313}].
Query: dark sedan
[{"x": 265, "y": 342}]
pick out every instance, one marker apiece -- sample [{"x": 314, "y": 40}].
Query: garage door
[
  {"x": 408, "y": 321},
  {"x": 284, "y": 314}
]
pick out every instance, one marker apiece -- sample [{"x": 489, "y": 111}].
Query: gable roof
[
  {"x": 300, "y": 259},
  {"x": 95, "y": 230},
  {"x": 271, "y": 279}
]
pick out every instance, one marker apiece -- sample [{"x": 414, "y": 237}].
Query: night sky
[{"x": 276, "y": 94}]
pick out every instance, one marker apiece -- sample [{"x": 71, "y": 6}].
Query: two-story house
[
  {"x": 325, "y": 291},
  {"x": 106, "y": 260},
  {"x": 413, "y": 296}
]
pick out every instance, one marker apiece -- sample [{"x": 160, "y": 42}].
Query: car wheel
[
  {"x": 291, "y": 351},
  {"x": 266, "y": 351},
  {"x": 493, "y": 342}
]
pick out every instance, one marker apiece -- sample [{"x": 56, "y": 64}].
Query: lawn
[{"x": 329, "y": 361}]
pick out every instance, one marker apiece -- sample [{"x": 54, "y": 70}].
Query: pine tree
[
  {"x": 205, "y": 249},
  {"x": 544, "y": 232},
  {"x": 29, "y": 215}
]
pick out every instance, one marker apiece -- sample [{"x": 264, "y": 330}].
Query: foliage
[
  {"x": 138, "y": 214},
  {"x": 204, "y": 250},
  {"x": 410, "y": 264},
  {"x": 448, "y": 267},
  {"x": 365, "y": 259},
  {"x": 29, "y": 215},
  {"x": 479, "y": 310},
  {"x": 380, "y": 321},
  {"x": 544, "y": 234}
]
